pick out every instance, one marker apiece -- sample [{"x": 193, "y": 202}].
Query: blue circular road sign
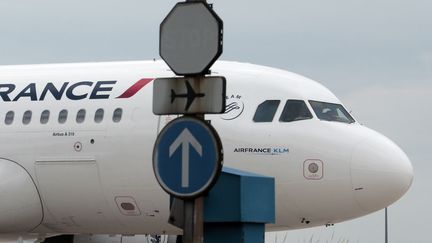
[{"x": 187, "y": 157}]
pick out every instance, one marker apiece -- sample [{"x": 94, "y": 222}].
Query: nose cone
[{"x": 381, "y": 173}]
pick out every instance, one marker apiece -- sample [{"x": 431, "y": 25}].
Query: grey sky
[{"x": 374, "y": 55}]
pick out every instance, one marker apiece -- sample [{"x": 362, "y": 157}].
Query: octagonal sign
[{"x": 191, "y": 38}]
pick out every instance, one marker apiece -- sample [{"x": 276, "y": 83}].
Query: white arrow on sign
[{"x": 184, "y": 139}]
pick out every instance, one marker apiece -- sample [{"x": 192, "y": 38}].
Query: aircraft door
[{"x": 71, "y": 203}]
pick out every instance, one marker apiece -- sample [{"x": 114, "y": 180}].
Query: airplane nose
[{"x": 381, "y": 173}]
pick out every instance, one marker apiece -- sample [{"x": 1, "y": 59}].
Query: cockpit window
[
  {"x": 331, "y": 112},
  {"x": 295, "y": 110},
  {"x": 266, "y": 111}
]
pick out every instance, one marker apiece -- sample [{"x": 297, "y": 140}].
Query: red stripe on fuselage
[{"x": 135, "y": 88}]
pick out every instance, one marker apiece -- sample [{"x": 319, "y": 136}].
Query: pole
[
  {"x": 198, "y": 234},
  {"x": 193, "y": 221},
  {"x": 386, "y": 226},
  {"x": 188, "y": 226}
]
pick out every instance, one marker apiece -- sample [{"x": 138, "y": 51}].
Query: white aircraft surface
[{"x": 76, "y": 143}]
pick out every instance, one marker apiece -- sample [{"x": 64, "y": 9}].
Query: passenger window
[
  {"x": 62, "y": 116},
  {"x": 80, "y": 116},
  {"x": 266, "y": 111},
  {"x": 99, "y": 115},
  {"x": 295, "y": 110},
  {"x": 27, "y": 117},
  {"x": 9, "y": 117},
  {"x": 117, "y": 115},
  {"x": 44, "y": 117}
]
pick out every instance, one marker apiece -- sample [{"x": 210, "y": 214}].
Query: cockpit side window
[
  {"x": 331, "y": 112},
  {"x": 295, "y": 110},
  {"x": 266, "y": 111}
]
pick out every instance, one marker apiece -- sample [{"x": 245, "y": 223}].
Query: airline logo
[
  {"x": 262, "y": 150},
  {"x": 73, "y": 91}
]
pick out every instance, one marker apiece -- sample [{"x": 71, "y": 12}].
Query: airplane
[
  {"x": 76, "y": 143},
  {"x": 190, "y": 95}
]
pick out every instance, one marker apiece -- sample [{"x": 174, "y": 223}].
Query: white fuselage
[{"x": 70, "y": 176}]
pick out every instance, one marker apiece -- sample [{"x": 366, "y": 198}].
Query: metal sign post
[{"x": 187, "y": 157}]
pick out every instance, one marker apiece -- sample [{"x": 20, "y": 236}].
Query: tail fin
[{"x": 173, "y": 96}]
